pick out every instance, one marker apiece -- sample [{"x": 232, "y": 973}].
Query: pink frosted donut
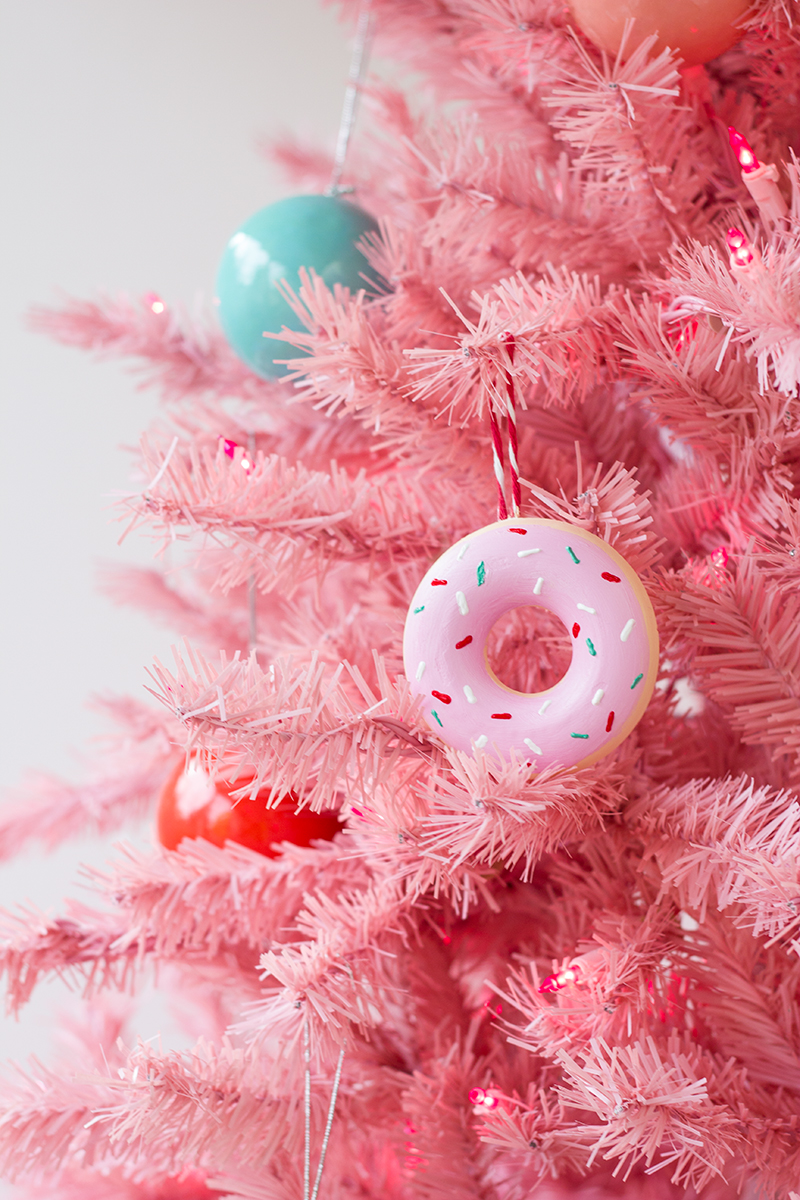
[{"x": 581, "y": 580}]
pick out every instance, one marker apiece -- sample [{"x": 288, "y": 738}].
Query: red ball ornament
[
  {"x": 698, "y": 29},
  {"x": 195, "y": 805}
]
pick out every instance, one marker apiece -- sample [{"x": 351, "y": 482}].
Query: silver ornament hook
[{"x": 358, "y": 69}]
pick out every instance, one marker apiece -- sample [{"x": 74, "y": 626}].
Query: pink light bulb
[
  {"x": 482, "y": 1099},
  {"x": 743, "y": 151},
  {"x": 741, "y": 253},
  {"x": 155, "y": 303},
  {"x": 230, "y": 447},
  {"x": 719, "y": 557},
  {"x": 554, "y": 983}
]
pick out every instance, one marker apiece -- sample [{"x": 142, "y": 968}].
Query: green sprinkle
[
  {"x": 580, "y": 735},
  {"x": 592, "y": 650},
  {"x": 435, "y": 714},
  {"x": 636, "y": 680},
  {"x": 481, "y": 573},
  {"x": 575, "y": 559},
  {"x": 416, "y": 610}
]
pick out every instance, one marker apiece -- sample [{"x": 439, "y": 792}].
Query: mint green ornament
[{"x": 316, "y": 232}]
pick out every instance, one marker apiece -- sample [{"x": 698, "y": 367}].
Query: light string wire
[{"x": 355, "y": 80}]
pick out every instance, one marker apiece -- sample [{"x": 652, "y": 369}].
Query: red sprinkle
[
  {"x": 464, "y": 642},
  {"x": 611, "y": 578},
  {"x": 445, "y": 699},
  {"x": 609, "y": 722},
  {"x": 522, "y": 531},
  {"x": 576, "y": 629},
  {"x": 438, "y": 582},
  {"x": 501, "y": 716}
]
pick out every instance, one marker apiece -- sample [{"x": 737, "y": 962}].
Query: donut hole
[{"x": 529, "y": 649}]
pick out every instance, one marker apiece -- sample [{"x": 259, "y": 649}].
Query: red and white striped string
[
  {"x": 499, "y": 467},
  {"x": 497, "y": 443}
]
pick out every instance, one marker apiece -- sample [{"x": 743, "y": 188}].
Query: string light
[
  {"x": 718, "y": 561},
  {"x": 742, "y": 253},
  {"x": 480, "y": 1098},
  {"x": 682, "y": 336},
  {"x": 155, "y": 303},
  {"x": 760, "y": 179},
  {"x": 561, "y": 979}
]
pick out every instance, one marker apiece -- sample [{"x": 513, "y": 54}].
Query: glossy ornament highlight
[
  {"x": 195, "y": 805},
  {"x": 698, "y": 29},
  {"x": 319, "y": 233}
]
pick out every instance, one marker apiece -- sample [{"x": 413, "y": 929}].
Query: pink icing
[{"x": 585, "y": 583}]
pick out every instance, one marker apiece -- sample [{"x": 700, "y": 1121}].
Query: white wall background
[{"x": 128, "y": 151}]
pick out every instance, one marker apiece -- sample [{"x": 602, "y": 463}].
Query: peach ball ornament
[
  {"x": 193, "y": 804},
  {"x": 698, "y": 30}
]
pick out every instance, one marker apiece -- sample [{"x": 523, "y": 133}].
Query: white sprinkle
[
  {"x": 528, "y": 553},
  {"x": 627, "y": 630},
  {"x": 461, "y": 601},
  {"x": 598, "y": 696},
  {"x": 545, "y": 707},
  {"x": 420, "y": 670},
  {"x": 463, "y": 550},
  {"x": 481, "y": 741},
  {"x": 532, "y": 746},
  {"x": 537, "y": 591},
  {"x": 585, "y": 608},
  {"x": 468, "y": 692}
]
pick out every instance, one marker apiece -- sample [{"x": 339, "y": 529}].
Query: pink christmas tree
[{"x": 495, "y": 982}]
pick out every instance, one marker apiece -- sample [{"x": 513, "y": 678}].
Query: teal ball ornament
[{"x": 319, "y": 233}]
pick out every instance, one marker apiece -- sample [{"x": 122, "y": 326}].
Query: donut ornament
[{"x": 578, "y": 578}]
